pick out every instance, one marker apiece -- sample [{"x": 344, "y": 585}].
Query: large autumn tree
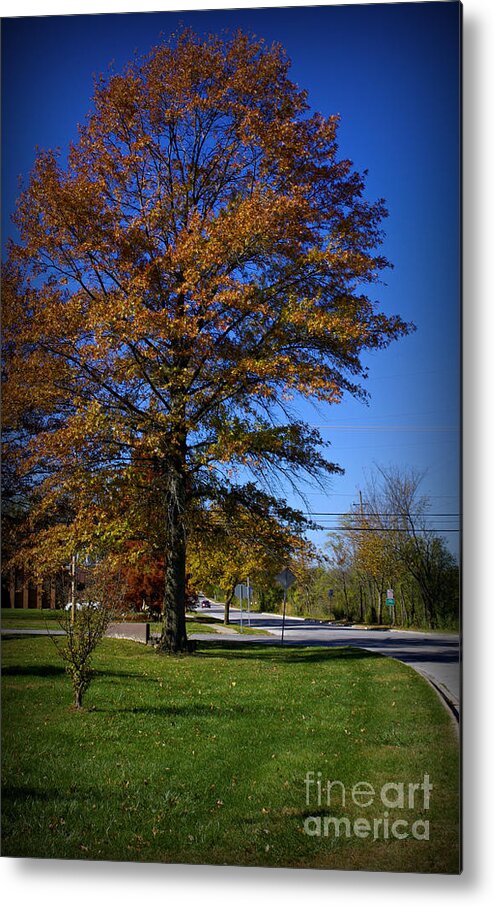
[{"x": 202, "y": 255}]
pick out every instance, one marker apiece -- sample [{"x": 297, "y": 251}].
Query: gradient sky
[{"x": 392, "y": 73}]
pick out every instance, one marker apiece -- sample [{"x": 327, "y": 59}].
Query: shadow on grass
[
  {"x": 298, "y": 814},
  {"x": 189, "y": 710},
  {"x": 24, "y": 794},
  {"x": 284, "y": 655},
  {"x": 49, "y": 670},
  {"x": 123, "y": 674},
  {"x": 43, "y": 670}
]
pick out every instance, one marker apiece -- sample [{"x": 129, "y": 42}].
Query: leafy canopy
[{"x": 202, "y": 255}]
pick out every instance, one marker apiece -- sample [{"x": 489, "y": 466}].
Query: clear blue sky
[{"x": 392, "y": 72}]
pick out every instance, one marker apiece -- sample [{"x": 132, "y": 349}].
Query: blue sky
[{"x": 392, "y": 73}]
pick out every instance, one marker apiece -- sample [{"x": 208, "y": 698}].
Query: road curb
[{"x": 449, "y": 701}]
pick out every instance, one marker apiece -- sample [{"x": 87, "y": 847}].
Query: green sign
[{"x": 390, "y": 602}]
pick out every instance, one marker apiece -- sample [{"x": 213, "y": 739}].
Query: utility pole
[
  {"x": 72, "y": 587},
  {"x": 286, "y": 578},
  {"x": 284, "y": 615}
]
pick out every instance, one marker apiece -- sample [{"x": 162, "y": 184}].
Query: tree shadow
[
  {"x": 192, "y": 709},
  {"x": 101, "y": 672},
  {"x": 286, "y": 654},
  {"x": 26, "y": 794},
  {"x": 42, "y": 670},
  {"x": 50, "y": 670},
  {"x": 406, "y": 650}
]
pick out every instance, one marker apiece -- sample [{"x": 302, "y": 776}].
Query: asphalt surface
[{"x": 435, "y": 655}]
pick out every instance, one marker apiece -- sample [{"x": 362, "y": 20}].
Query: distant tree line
[{"x": 384, "y": 542}]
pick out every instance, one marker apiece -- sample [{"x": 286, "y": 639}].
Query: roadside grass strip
[{"x": 215, "y": 758}]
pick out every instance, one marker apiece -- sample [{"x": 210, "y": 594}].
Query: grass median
[
  {"x": 17, "y": 618},
  {"x": 30, "y": 618},
  {"x": 204, "y": 759}
]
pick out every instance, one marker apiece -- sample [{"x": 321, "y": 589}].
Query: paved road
[{"x": 436, "y": 655}]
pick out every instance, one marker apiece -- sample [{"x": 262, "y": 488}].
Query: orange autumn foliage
[{"x": 202, "y": 257}]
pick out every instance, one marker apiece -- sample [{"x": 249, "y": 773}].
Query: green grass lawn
[
  {"x": 17, "y": 618},
  {"x": 203, "y": 758},
  {"x": 194, "y": 625},
  {"x": 247, "y": 630},
  {"x": 205, "y": 623}
]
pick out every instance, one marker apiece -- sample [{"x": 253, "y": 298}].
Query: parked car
[
  {"x": 205, "y": 603},
  {"x": 80, "y": 604},
  {"x": 152, "y": 610}
]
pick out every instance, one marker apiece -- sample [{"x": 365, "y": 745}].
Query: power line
[
  {"x": 351, "y": 528},
  {"x": 352, "y": 494},
  {"x": 388, "y": 427},
  {"x": 385, "y": 515}
]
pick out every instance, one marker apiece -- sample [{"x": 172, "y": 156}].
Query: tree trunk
[
  {"x": 403, "y": 606},
  {"x": 427, "y": 600},
  {"x": 174, "y": 634},
  {"x": 373, "y": 614},
  {"x": 229, "y": 598},
  {"x": 379, "y": 605}
]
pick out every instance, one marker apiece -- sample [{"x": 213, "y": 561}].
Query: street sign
[
  {"x": 390, "y": 602},
  {"x": 390, "y": 593},
  {"x": 244, "y": 593},
  {"x": 285, "y": 578}
]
